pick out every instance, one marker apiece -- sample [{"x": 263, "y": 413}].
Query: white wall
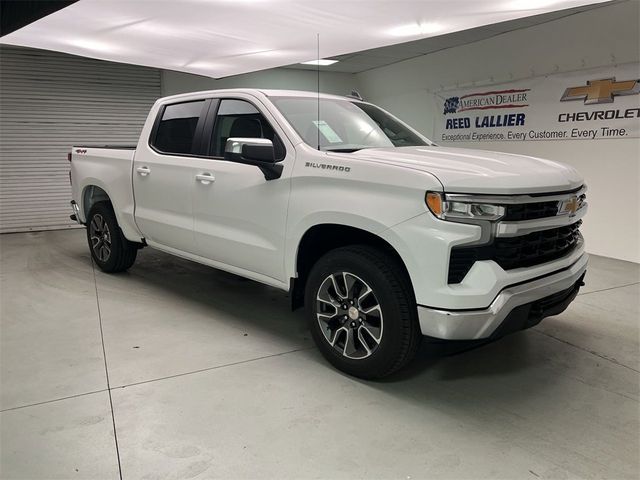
[
  {"x": 282, "y": 78},
  {"x": 604, "y": 36}
]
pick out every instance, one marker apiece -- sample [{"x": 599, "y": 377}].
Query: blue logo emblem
[{"x": 451, "y": 105}]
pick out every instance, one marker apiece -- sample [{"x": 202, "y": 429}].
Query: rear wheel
[
  {"x": 110, "y": 250},
  {"x": 361, "y": 311}
]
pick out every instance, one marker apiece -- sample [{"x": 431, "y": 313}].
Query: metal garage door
[{"x": 48, "y": 102}]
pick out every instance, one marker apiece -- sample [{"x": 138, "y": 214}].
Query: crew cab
[{"x": 383, "y": 236}]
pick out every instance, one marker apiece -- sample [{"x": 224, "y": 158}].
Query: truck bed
[
  {"x": 109, "y": 147},
  {"x": 105, "y": 168}
]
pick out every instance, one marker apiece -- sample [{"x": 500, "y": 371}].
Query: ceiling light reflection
[
  {"x": 416, "y": 29},
  {"x": 323, "y": 62},
  {"x": 94, "y": 45},
  {"x": 532, "y": 4}
]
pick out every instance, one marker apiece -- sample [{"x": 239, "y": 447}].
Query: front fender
[{"x": 322, "y": 218}]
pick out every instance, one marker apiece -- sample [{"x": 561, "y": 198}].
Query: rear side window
[{"x": 177, "y": 127}]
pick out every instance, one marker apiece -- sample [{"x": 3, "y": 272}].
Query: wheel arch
[
  {"x": 94, "y": 190},
  {"x": 92, "y": 194},
  {"x": 320, "y": 239}
]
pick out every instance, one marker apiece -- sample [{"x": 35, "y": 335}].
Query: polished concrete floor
[{"x": 174, "y": 370}]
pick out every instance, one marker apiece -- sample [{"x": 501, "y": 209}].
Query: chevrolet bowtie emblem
[
  {"x": 601, "y": 91},
  {"x": 569, "y": 206}
]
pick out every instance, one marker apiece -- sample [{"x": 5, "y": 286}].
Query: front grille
[
  {"x": 516, "y": 252},
  {"x": 530, "y": 211}
]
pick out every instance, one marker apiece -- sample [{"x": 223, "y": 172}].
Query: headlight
[{"x": 454, "y": 210}]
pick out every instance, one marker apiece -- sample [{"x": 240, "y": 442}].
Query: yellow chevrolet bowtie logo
[
  {"x": 569, "y": 206},
  {"x": 601, "y": 91}
]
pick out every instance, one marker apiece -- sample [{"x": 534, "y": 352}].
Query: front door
[{"x": 239, "y": 217}]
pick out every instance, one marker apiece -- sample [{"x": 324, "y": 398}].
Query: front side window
[
  {"x": 240, "y": 119},
  {"x": 345, "y": 126},
  {"x": 177, "y": 127}
]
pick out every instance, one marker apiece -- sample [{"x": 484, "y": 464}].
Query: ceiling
[
  {"x": 219, "y": 38},
  {"x": 379, "y": 57}
]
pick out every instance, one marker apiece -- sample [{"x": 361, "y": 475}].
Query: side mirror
[{"x": 254, "y": 151}]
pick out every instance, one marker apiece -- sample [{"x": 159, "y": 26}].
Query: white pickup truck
[{"x": 382, "y": 235}]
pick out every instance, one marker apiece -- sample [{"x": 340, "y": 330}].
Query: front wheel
[
  {"x": 361, "y": 311},
  {"x": 110, "y": 250}
]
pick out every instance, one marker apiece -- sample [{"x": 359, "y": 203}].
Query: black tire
[
  {"x": 110, "y": 250},
  {"x": 399, "y": 332}
]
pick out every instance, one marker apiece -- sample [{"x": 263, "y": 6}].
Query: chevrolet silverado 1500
[{"x": 382, "y": 236}]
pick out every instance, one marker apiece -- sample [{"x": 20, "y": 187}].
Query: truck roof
[{"x": 263, "y": 91}]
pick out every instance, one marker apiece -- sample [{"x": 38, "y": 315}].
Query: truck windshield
[{"x": 345, "y": 126}]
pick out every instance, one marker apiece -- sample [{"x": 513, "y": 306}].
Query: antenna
[{"x": 318, "y": 75}]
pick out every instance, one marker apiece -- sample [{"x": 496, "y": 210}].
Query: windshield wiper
[{"x": 343, "y": 150}]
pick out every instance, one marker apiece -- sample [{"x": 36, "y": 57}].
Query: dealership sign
[{"x": 585, "y": 105}]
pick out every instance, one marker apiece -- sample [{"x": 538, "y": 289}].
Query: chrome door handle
[
  {"x": 144, "y": 171},
  {"x": 205, "y": 178}
]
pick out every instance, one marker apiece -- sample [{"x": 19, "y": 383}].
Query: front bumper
[{"x": 522, "y": 304}]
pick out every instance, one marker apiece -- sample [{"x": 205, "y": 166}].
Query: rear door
[
  {"x": 240, "y": 217},
  {"x": 163, "y": 180}
]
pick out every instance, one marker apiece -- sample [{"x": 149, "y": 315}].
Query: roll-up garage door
[{"x": 49, "y": 102}]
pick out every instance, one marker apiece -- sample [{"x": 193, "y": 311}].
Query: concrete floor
[{"x": 212, "y": 376}]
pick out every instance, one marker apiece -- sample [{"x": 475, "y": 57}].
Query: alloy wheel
[
  {"x": 349, "y": 315},
  {"x": 100, "y": 237}
]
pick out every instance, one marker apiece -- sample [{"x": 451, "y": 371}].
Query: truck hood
[{"x": 479, "y": 171}]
